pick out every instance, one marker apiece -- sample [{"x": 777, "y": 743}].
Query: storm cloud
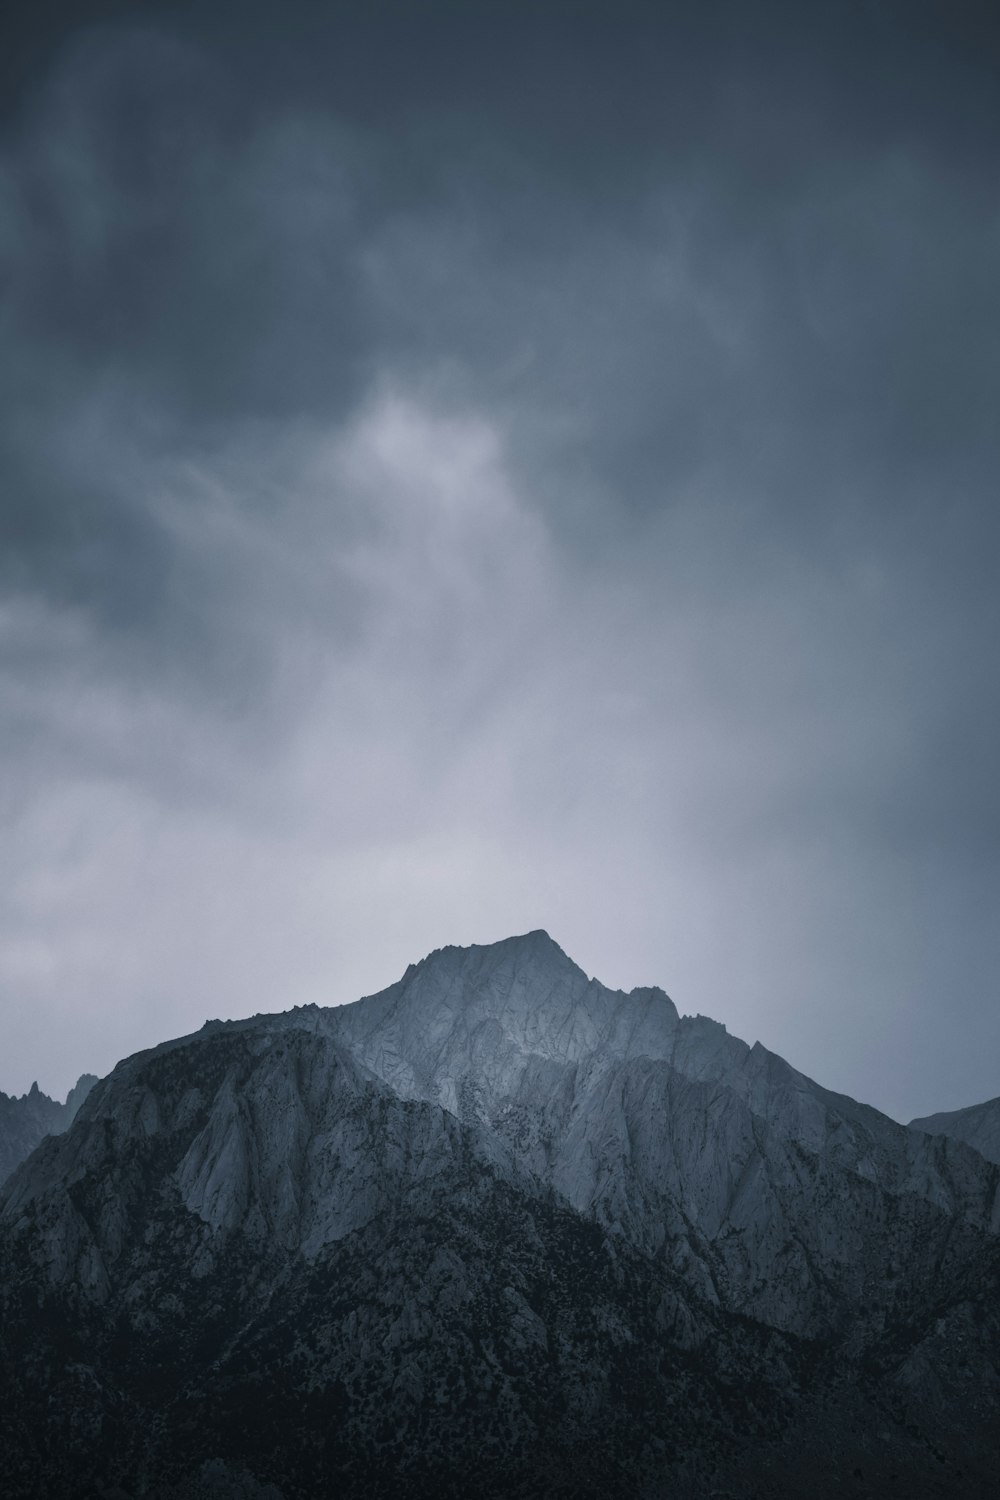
[{"x": 468, "y": 469}]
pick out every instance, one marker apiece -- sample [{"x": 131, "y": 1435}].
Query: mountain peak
[
  {"x": 536, "y": 944},
  {"x": 533, "y": 954},
  {"x": 537, "y": 940},
  {"x": 481, "y": 1021}
]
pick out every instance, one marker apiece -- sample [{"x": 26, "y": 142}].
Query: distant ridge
[
  {"x": 26, "y": 1120},
  {"x": 978, "y": 1125}
]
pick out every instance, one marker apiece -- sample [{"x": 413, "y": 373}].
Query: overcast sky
[{"x": 469, "y": 468}]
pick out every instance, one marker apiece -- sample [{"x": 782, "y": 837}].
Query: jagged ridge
[{"x": 26, "y": 1120}]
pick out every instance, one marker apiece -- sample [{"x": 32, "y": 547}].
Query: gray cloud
[{"x": 452, "y": 489}]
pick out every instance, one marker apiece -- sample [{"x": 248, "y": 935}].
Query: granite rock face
[{"x": 496, "y": 1230}]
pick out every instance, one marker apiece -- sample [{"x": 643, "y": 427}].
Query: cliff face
[{"x": 496, "y": 1230}]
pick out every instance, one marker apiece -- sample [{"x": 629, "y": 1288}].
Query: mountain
[
  {"x": 497, "y": 1230},
  {"x": 25, "y": 1120},
  {"x": 666, "y": 1129},
  {"x": 978, "y": 1126}
]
